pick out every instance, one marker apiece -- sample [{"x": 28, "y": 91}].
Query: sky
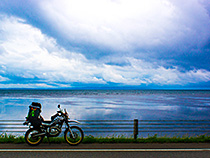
[{"x": 106, "y": 43}]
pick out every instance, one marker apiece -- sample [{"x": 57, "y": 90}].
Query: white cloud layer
[
  {"x": 129, "y": 25},
  {"x": 27, "y": 53}
]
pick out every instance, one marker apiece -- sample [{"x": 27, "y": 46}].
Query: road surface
[{"x": 171, "y": 150}]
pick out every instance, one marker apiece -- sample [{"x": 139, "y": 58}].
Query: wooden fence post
[{"x": 135, "y": 128}]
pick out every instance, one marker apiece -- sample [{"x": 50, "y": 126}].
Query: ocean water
[{"x": 109, "y": 104}]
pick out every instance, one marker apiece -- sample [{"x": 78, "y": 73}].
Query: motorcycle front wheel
[
  {"x": 31, "y": 138},
  {"x": 77, "y": 136}
]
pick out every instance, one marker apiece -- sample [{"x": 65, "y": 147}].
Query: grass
[
  {"x": 149, "y": 139},
  {"x": 5, "y": 138}
]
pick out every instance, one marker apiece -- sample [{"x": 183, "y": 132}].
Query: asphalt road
[
  {"x": 172, "y": 150},
  {"x": 105, "y": 154}
]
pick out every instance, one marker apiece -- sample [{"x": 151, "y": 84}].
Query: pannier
[{"x": 34, "y": 114}]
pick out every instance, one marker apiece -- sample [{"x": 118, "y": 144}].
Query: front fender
[{"x": 74, "y": 121}]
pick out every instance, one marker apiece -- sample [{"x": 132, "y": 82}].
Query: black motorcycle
[{"x": 73, "y": 135}]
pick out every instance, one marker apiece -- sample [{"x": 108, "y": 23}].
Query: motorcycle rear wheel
[
  {"x": 33, "y": 140},
  {"x": 77, "y": 138}
]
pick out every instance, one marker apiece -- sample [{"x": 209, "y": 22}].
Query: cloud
[
  {"x": 130, "y": 25},
  {"x": 142, "y": 72},
  {"x": 170, "y": 33},
  {"x": 120, "y": 25},
  {"x": 32, "y": 59},
  {"x": 27, "y": 53}
]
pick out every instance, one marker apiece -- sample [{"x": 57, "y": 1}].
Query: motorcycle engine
[
  {"x": 57, "y": 120},
  {"x": 54, "y": 130}
]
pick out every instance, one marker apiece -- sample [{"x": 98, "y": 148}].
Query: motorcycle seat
[{"x": 46, "y": 123}]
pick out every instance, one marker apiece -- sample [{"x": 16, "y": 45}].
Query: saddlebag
[{"x": 34, "y": 114}]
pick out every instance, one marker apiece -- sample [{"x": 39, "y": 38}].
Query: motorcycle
[{"x": 73, "y": 135}]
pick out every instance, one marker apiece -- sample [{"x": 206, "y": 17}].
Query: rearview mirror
[{"x": 59, "y": 106}]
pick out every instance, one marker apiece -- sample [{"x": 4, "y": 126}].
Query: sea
[{"x": 108, "y": 104}]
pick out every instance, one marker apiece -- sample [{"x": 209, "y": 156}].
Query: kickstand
[{"x": 48, "y": 140}]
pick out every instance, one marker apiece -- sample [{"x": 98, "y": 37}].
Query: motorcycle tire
[
  {"x": 78, "y": 135},
  {"x": 33, "y": 141}
]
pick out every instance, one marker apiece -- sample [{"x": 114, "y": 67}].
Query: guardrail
[{"x": 134, "y": 127}]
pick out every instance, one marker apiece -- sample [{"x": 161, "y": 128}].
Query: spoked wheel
[
  {"x": 31, "y": 138},
  {"x": 77, "y": 136}
]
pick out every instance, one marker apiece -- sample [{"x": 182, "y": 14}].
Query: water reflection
[{"x": 109, "y": 105}]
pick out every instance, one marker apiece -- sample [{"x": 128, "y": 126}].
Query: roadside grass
[
  {"x": 5, "y": 138},
  {"x": 149, "y": 139}
]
